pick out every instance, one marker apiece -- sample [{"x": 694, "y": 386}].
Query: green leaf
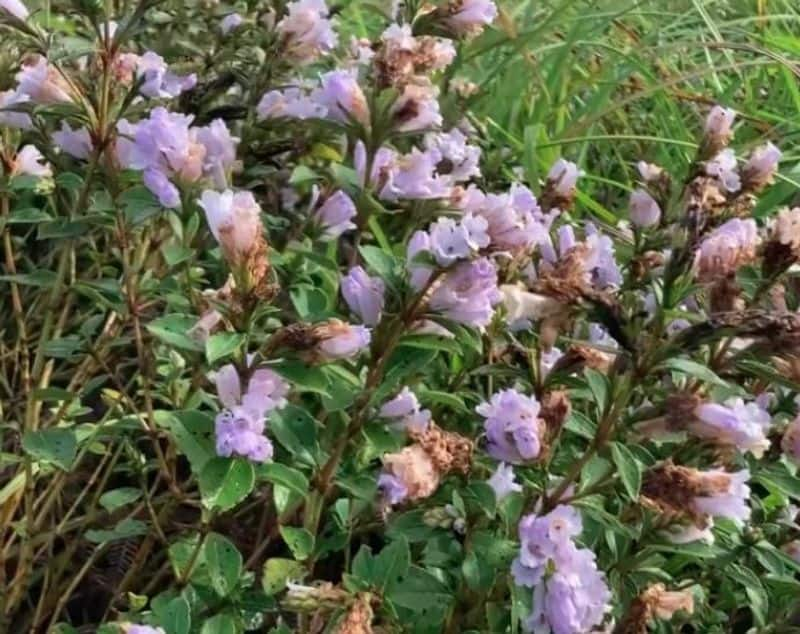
[
  {"x": 176, "y": 617},
  {"x": 296, "y": 430},
  {"x": 695, "y": 370},
  {"x": 299, "y": 540},
  {"x": 392, "y": 562},
  {"x": 292, "y": 479},
  {"x": 431, "y": 342},
  {"x": 222, "y": 345},
  {"x": 220, "y": 624},
  {"x": 277, "y": 572},
  {"x": 123, "y": 530},
  {"x": 56, "y": 445},
  {"x": 117, "y": 498},
  {"x": 628, "y": 469},
  {"x": 224, "y": 563},
  {"x": 304, "y": 377},
  {"x": 384, "y": 264},
  {"x": 419, "y": 590},
  {"x": 581, "y": 425},
  {"x": 173, "y": 330},
  {"x": 758, "y": 601},
  {"x": 193, "y": 432},
  {"x": 224, "y": 482},
  {"x": 598, "y": 385},
  {"x": 42, "y": 278}
]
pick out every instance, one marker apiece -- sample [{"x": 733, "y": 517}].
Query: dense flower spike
[
  {"x": 570, "y": 595},
  {"x": 513, "y": 428},
  {"x": 364, "y": 295}
]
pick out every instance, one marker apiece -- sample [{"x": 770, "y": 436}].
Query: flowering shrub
[{"x": 284, "y": 350}]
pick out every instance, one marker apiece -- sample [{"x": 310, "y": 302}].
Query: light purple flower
[
  {"x": 645, "y": 211},
  {"x": 503, "y": 483},
  {"x": 77, "y": 143},
  {"x": 340, "y": 340},
  {"x": 399, "y": 43},
  {"x": 414, "y": 176},
  {"x": 142, "y": 629},
  {"x": 159, "y": 80},
  {"x": 548, "y": 359},
  {"x": 762, "y": 165},
  {"x": 230, "y": 22},
  {"x": 364, "y": 295},
  {"x": 307, "y": 31},
  {"x": 563, "y": 176},
  {"x": 162, "y": 188},
  {"x": 600, "y": 261},
  {"x": 452, "y": 240},
  {"x": 406, "y": 412},
  {"x": 15, "y": 8},
  {"x": 469, "y": 17},
  {"x": 570, "y": 594},
  {"x": 727, "y": 248},
  {"x": 42, "y": 82},
  {"x": 723, "y": 168},
  {"x": 8, "y": 117},
  {"x": 235, "y": 220},
  {"x": 512, "y": 425},
  {"x": 220, "y": 150},
  {"x": 729, "y": 497},
  {"x": 418, "y": 273},
  {"x": 649, "y": 172},
  {"x": 392, "y": 488},
  {"x": 719, "y": 124},
  {"x": 335, "y": 215},
  {"x": 292, "y": 102},
  {"x": 742, "y": 425},
  {"x": 342, "y": 97},
  {"x": 29, "y": 161},
  {"x": 468, "y": 293},
  {"x": 790, "y": 443},
  {"x": 459, "y": 160},
  {"x": 383, "y": 165},
  {"x": 417, "y": 108}
]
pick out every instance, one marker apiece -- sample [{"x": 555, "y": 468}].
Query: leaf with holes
[
  {"x": 224, "y": 482},
  {"x": 224, "y": 563}
]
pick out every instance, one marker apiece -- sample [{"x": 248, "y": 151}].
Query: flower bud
[
  {"x": 645, "y": 211},
  {"x": 335, "y": 215},
  {"x": 718, "y": 129},
  {"x": 364, "y": 295},
  {"x": 15, "y": 8}
]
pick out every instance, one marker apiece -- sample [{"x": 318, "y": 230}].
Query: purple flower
[
  {"x": 406, "y": 411},
  {"x": 414, "y": 176},
  {"x": 451, "y": 240},
  {"x": 306, "y": 31},
  {"x": 364, "y": 295},
  {"x": 570, "y": 595},
  {"x": 382, "y": 165},
  {"x": 458, "y": 161},
  {"x": 8, "y": 117},
  {"x": 468, "y": 17},
  {"x": 230, "y": 22},
  {"x": 240, "y": 427},
  {"x": 468, "y": 293},
  {"x": 548, "y": 359},
  {"x": 512, "y": 425},
  {"x": 235, "y": 220},
  {"x": 742, "y": 425},
  {"x": 162, "y": 188},
  {"x": 335, "y": 215},
  {"x": 342, "y": 97},
  {"x": 503, "y": 483},
  {"x": 392, "y": 488},
  {"x": 29, "y": 161},
  {"x": 340, "y": 340},
  {"x": 419, "y": 274},
  {"x": 723, "y": 168},
  {"x": 719, "y": 124},
  {"x": 563, "y": 176},
  {"x": 649, "y": 172},
  {"x": 142, "y": 629},
  {"x": 600, "y": 261},
  {"x": 417, "y": 107},
  {"x": 791, "y": 441},
  {"x": 42, "y": 82},
  {"x": 77, "y": 143},
  {"x": 727, "y": 248},
  {"x": 15, "y": 8},
  {"x": 220, "y": 150},
  {"x": 645, "y": 211},
  {"x": 728, "y": 494},
  {"x": 158, "y": 80},
  {"x": 292, "y": 103},
  {"x": 762, "y": 165}
]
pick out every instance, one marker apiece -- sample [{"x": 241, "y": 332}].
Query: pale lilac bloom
[
  {"x": 29, "y": 161},
  {"x": 564, "y": 176},
  {"x": 762, "y": 164},
  {"x": 158, "y": 80},
  {"x": 570, "y": 594},
  {"x": 649, "y": 172},
  {"x": 452, "y": 240},
  {"x": 292, "y": 103},
  {"x": 723, "y": 168},
  {"x": 503, "y": 482},
  {"x": 645, "y": 211},
  {"x": 77, "y": 143},
  {"x": 15, "y": 8},
  {"x": 142, "y": 629},
  {"x": 342, "y": 97},
  {"x": 364, "y": 295},
  {"x": 790, "y": 443},
  {"x": 468, "y": 293},
  {"x": 417, "y": 108},
  {"x": 469, "y": 17},
  {"x": 728, "y": 247},
  {"x": 240, "y": 427},
  {"x": 743, "y": 425},
  {"x": 234, "y": 219},
  {"x": 513, "y": 428},
  {"x": 719, "y": 123},
  {"x": 335, "y": 215},
  {"x": 220, "y": 150},
  {"x": 344, "y": 342},
  {"x": 162, "y": 188},
  {"x": 414, "y": 176},
  {"x": 406, "y": 412},
  {"x": 459, "y": 161},
  {"x": 42, "y": 82},
  {"x": 382, "y": 165},
  {"x": 8, "y": 116},
  {"x": 307, "y": 31},
  {"x": 600, "y": 261},
  {"x": 548, "y": 359},
  {"x": 392, "y": 488},
  {"x": 730, "y": 503},
  {"x": 230, "y": 22},
  {"x": 419, "y": 274}
]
